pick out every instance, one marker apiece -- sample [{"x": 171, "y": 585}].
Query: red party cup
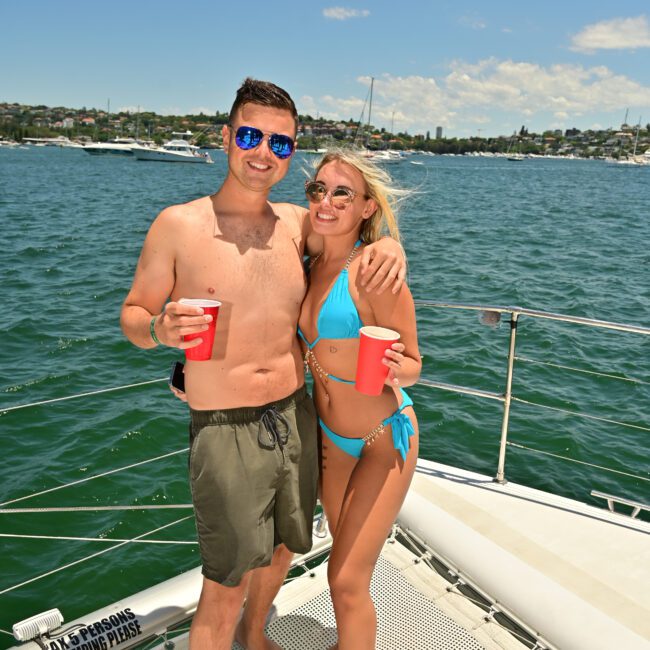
[
  {"x": 202, "y": 352},
  {"x": 371, "y": 372}
]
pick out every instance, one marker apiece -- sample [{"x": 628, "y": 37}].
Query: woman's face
[{"x": 328, "y": 217}]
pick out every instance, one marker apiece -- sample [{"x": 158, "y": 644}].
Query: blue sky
[{"x": 472, "y": 67}]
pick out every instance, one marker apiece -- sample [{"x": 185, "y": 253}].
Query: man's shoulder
[
  {"x": 184, "y": 213},
  {"x": 291, "y": 214},
  {"x": 290, "y": 210}
]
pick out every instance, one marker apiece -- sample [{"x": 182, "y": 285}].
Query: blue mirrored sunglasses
[{"x": 248, "y": 137}]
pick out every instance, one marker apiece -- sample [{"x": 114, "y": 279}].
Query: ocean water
[{"x": 555, "y": 235}]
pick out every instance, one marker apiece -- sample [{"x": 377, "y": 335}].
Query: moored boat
[
  {"x": 116, "y": 147},
  {"x": 175, "y": 150}
]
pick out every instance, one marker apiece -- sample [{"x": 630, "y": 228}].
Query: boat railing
[
  {"x": 490, "y": 315},
  {"x": 493, "y": 315}
]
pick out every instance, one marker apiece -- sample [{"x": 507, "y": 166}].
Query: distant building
[
  {"x": 68, "y": 122},
  {"x": 438, "y": 132}
]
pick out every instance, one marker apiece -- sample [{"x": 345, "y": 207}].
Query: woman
[{"x": 369, "y": 444}]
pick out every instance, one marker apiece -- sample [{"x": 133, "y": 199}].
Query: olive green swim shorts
[{"x": 254, "y": 475}]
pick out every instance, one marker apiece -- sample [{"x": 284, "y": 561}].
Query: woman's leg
[
  {"x": 365, "y": 507},
  {"x": 336, "y": 467}
]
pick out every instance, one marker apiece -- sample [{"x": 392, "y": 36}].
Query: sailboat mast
[
  {"x": 636, "y": 139},
  {"x": 372, "y": 83}
]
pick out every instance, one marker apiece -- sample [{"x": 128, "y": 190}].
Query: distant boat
[
  {"x": 60, "y": 141},
  {"x": 633, "y": 160},
  {"x": 116, "y": 147},
  {"x": 177, "y": 150},
  {"x": 385, "y": 156},
  {"x": 514, "y": 156},
  {"x": 382, "y": 156}
]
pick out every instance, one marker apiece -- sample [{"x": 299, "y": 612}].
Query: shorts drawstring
[{"x": 269, "y": 424}]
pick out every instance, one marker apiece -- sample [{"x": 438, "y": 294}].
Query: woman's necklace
[
  {"x": 310, "y": 358},
  {"x": 353, "y": 252}
]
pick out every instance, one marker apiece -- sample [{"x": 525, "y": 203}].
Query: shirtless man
[{"x": 253, "y": 456}]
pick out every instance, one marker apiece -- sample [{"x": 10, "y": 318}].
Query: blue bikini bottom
[{"x": 401, "y": 425}]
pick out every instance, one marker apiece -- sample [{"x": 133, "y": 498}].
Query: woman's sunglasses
[
  {"x": 340, "y": 197},
  {"x": 248, "y": 137}
]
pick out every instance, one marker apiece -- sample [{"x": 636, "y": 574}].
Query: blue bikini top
[{"x": 338, "y": 317}]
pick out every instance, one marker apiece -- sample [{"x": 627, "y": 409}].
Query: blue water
[{"x": 562, "y": 236}]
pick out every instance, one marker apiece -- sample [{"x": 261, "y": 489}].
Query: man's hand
[
  {"x": 176, "y": 321},
  {"x": 178, "y": 393},
  {"x": 382, "y": 264}
]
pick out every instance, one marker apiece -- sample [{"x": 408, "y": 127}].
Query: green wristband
[{"x": 152, "y": 331}]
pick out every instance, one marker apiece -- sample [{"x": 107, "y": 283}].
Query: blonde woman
[{"x": 369, "y": 445}]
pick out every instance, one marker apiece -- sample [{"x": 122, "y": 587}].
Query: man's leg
[
  {"x": 264, "y": 586},
  {"x": 213, "y": 626}
]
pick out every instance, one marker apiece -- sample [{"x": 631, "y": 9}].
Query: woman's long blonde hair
[{"x": 379, "y": 187}]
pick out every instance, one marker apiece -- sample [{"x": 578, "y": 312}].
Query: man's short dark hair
[{"x": 263, "y": 93}]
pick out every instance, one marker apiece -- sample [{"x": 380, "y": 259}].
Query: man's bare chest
[{"x": 241, "y": 271}]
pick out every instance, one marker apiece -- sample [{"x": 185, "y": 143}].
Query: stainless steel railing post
[{"x": 500, "y": 477}]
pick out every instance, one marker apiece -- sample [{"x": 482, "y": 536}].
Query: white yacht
[
  {"x": 473, "y": 562},
  {"x": 387, "y": 156},
  {"x": 176, "y": 150},
  {"x": 60, "y": 141},
  {"x": 115, "y": 147}
]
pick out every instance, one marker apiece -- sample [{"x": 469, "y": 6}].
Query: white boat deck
[
  {"x": 415, "y": 611},
  {"x": 577, "y": 574}
]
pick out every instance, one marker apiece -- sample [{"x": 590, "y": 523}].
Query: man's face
[{"x": 258, "y": 169}]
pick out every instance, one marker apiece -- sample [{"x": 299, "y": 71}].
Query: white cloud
[
  {"x": 342, "y": 13},
  {"x": 171, "y": 110},
  {"x": 474, "y": 21},
  {"x": 615, "y": 34},
  {"x": 197, "y": 110},
  {"x": 470, "y": 93}
]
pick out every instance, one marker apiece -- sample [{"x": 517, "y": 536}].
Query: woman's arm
[{"x": 397, "y": 312}]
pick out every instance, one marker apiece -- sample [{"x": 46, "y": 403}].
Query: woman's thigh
[
  {"x": 336, "y": 469},
  {"x": 369, "y": 503}
]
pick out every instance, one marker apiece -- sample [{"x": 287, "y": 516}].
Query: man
[{"x": 253, "y": 458}]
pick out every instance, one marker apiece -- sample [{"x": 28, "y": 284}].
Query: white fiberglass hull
[
  {"x": 160, "y": 155},
  {"x": 106, "y": 149}
]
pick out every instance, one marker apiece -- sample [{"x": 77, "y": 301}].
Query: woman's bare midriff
[{"x": 346, "y": 411}]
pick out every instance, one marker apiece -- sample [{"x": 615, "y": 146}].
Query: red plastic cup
[
  {"x": 371, "y": 372},
  {"x": 202, "y": 352}
]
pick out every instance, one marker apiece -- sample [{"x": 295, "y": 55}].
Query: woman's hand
[{"x": 393, "y": 358}]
